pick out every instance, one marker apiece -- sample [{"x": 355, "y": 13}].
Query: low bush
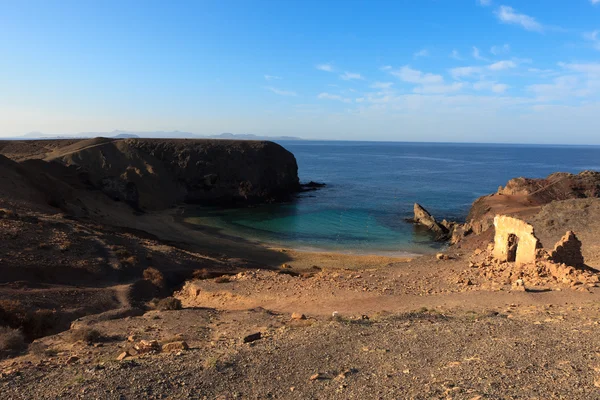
[
  {"x": 11, "y": 340},
  {"x": 86, "y": 334},
  {"x": 155, "y": 276},
  {"x": 166, "y": 304}
]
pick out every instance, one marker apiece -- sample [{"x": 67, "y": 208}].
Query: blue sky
[{"x": 427, "y": 70}]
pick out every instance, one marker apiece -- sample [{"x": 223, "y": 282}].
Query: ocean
[{"x": 372, "y": 186}]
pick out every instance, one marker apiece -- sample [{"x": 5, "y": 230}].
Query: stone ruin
[{"x": 515, "y": 241}]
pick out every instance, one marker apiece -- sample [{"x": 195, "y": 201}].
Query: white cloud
[
  {"x": 407, "y": 74},
  {"x": 508, "y": 15},
  {"x": 439, "y": 89},
  {"x": 347, "y": 76},
  {"x": 461, "y": 72},
  {"x": 498, "y": 50},
  {"x": 281, "y": 92},
  {"x": 490, "y": 85},
  {"x": 421, "y": 53},
  {"x": 271, "y": 77},
  {"x": 591, "y": 69},
  {"x": 502, "y": 65},
  {"x": 329, "y": 96},
  {"x": 594, "y": 2},
  {"x": 477, "y": 54},
  {"x": 325, "y": 67},
  {"x": 455, "y": 54},
  {"x": 386, "y": 67},
  {"x": 485, "y": 3},
  {"x": 381, "y": 85}
]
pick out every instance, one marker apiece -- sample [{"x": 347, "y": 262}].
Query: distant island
[{"x": 118, "y": 134}]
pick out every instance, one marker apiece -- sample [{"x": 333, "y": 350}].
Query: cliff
[{"x": 152, "y": 174}]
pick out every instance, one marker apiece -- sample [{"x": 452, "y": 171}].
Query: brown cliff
[{"x": 151, "y": 174}]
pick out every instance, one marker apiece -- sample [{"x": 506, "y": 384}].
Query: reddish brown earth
[{"x": 331, "y": 326}]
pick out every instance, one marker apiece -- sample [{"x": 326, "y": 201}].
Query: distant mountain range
[{"x": 153, "y": 135}]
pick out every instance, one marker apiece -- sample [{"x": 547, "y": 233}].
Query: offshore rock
[{"x": 423, "y": 217}]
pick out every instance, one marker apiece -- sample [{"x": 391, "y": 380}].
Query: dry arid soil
[{"x": 99, "y": 299}]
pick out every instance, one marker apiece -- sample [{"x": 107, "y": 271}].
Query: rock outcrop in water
[
  {"x": 423, "y": 217},
  {"x": 152, "y": 174}
]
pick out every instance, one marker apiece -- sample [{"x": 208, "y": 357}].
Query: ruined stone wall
[
  {"x": 527, "y": 242},
  {"x": 568, "y": 251}
]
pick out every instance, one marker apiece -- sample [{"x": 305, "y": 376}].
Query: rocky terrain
[{"x": 105, "y": 293}]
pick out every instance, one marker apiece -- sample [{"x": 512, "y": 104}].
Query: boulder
[
  {"x": 423, "y": 217},
  {"x": 175, "y": 346}
]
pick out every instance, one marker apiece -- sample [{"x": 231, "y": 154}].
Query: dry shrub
[
  {"x": 86, "y": 334},
  {"x": 166, "y": 304},
  {"x": 201, "y": 274},
  {"x": 33, "y": 323},
  {"x": 155, "y": 276},
  {"x": 11, "y": 340},
  {"x": 130, "y": 261}
]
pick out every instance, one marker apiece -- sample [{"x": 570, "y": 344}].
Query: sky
[{"x": 501, "y": 71}]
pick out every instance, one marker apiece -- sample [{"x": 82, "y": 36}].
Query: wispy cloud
[
  {"x": 327, "y": 67},
  {"x": 477, "y": 55},
  {"x": 485, "y": 3},
  {"x": 593, "y": 37},
  {"x": 381, "y": 85},
  {"x": 508, "y": 15},
  {"x": 281, "y": 92},
  {"x": 592, "y": 69},
  {"x": 455, "y": 54},
  {"x": 439, "y": 89},
  {"x": 498, "y": 50},
  {"x": 490, "y": 85},
  {"x": 347, "y": 76},
  {"x": 501, "y": 65},
  {"x": 594, "y": 2},
  {"x": 407, "y": 74},
  {"x": 421, "y": 53},
  {"x": 463, "y": 72},
  {"x": 272, "y": 77},
  {"x": 329, "y": 96}
]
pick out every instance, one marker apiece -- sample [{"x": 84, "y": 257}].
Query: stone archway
[{"x": 514, "y": 241}]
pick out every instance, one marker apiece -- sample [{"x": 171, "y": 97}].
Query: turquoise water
[{"x": 371, "y": 189}]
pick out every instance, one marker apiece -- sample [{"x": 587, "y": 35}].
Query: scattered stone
[
  {"x": 298, "y": 316},
  {"x": 122, "y": 356},
  {"x": 146, "y": 346},
  {"x": 442, "y": 256},
  {"x": 286, "y": 266},
  {"x": 132, "y": 338},
  {"x": 253, "y": 337},
  {"x": 175, "y": 346},
  {"x": 316, "y": 376}
]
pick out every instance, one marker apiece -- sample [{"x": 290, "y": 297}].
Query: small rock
[
  {"x": 316, "y": 376},
  {"x": 122, "y": 356},
  {"x": 286, "y": 266},
  {"x": 72, "y": 360},
  {"x": 146, "y": 346},
  {"x": 175, "y": 346},
  {"x": 253, "y": 337},
  {"x": 132, "y": 338},
  {"x": 298, "y": 316}
]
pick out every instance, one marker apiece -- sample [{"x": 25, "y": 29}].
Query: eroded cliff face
[{"x": 153, "y": 174}]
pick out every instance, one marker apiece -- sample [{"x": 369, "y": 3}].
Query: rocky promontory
[{"x": 153, "y": 174}]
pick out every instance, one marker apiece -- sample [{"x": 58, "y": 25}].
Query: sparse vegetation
[
  {"x": 86, "y": 334},
  {"x": 155, "y": 276},
  {"x": 201, "y": 274},
  {"x": 166, "y": 304},
  {"x": 11, "y": 340}
]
